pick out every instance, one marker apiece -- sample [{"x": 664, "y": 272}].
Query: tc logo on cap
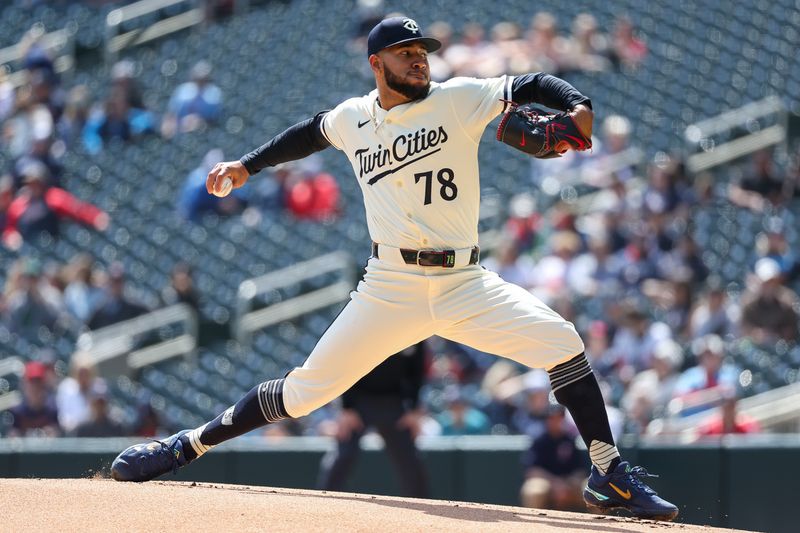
[
  {"x": 410, "y": 25},
  {"x": 396, "y": 30}
]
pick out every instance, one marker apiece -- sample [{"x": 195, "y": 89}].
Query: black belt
[{"x": 432, "y": 258}]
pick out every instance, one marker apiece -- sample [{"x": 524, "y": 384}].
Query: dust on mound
[{"x": 104, "y": 505}]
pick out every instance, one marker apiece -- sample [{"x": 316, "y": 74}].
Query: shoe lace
[
  {"x": 635, "y": 476},
  {"x": 169, "y": 449}
]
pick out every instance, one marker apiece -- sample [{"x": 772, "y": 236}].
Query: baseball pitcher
[{"x": 413, "y": 146}]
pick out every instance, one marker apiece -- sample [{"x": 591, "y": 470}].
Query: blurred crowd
[
  {"x": 75, "y": 405},
  {"x": 80, "y": 295},
  {"x": 42, "y": 119},
  {"x": 513, "y": 48},
  {"x": 54, "y": 301},
  {"x": 625, "y": 268}
]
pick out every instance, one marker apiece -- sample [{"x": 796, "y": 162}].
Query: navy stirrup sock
[
  {"x": 259, "y": 407},
  {"x": 576, "y": 388}
]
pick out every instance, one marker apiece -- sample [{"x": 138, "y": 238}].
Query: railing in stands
[
  {"x": 138, "y": 16},
  {"x": 116, "y": 349},
  {"x": 249, "y": 320},
  {"x": 775, "y": 410},
  {"x": 736, "y": 133},
  {"x": 58, "y": 44}
]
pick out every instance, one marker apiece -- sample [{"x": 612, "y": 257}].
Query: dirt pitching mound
[{"x": 103, "y": 505}]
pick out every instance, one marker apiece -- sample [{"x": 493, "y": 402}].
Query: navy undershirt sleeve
[
  {"x": 548, "y": 90},
  {"x": 297, "y": 142}
]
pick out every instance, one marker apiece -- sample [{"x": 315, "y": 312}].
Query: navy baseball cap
[{"x": 396, "y": 30}]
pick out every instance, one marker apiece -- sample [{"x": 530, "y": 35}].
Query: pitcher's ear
[{"x": 375, "y": 62}]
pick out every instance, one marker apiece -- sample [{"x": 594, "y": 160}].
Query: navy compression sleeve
[
  {"x": 297, "y": 142},
  {"x": 548, "y": 90}
]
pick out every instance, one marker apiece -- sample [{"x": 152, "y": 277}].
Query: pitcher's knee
[
  {"x": 568, "y": 344},
  {"x": 575, "y": 345},
  {"x": 302, "y": 396},
  {"x": 560, "y": 348}
]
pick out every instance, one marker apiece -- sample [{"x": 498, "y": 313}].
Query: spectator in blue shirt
[
  {"x": 710, "y": 372},
  {"x": 193, "y": 104},
  {"x": 462, "y": 419},
  {"x": 116, "y": 120}
]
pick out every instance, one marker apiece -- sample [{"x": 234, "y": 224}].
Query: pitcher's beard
[{"x": 412, "y": 92}]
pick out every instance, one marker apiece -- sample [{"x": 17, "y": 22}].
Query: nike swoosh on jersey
[{"x": 362, "y": 124}]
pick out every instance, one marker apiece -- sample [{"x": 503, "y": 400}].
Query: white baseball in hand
[{"x": 225, "y": 188}]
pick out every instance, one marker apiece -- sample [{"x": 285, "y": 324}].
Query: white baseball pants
[{"x": 397, "y": 305}]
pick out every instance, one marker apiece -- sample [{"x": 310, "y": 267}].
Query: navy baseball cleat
[
  {"x": 624, "y": 489},
  {"x": 143, "y": 462}
]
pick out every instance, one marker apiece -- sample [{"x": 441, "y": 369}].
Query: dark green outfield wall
[{"x": 747, "y": 485}]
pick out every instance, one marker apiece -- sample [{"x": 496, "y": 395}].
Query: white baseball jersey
[{"x": 417, "y": 164}]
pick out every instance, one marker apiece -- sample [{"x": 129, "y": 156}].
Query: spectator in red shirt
[
  {"x": 6, "y": 197},
  {"x": 39, "y": 208},
  {"x": 627, "y": 50},
  {"x": 729, "y": 420},
  {"x": 37, "y": 414},
  {"x": 315, "y": 197}
]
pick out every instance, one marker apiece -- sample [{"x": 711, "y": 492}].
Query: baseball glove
[{"x": 540, "y": 133}]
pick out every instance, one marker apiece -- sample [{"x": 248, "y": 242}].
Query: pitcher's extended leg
[
  {"x": 384, "y": 316},
  {"x": 362, "y": 336}
]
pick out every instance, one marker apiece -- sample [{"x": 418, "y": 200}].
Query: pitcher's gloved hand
[{"x": 542, "y": 134}]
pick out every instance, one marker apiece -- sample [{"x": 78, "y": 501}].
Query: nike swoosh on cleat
[
  {"x": 626, "y": 494},
  {"x": 362, "y": 124},
  {"x": 522, "y": 142}
]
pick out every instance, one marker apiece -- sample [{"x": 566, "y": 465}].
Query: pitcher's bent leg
[{"x": 506, "y": 320}]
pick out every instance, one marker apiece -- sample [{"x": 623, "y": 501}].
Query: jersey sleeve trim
[
  {"x": 325, "y": 133},
  {"x": 507, "y": 94}
]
